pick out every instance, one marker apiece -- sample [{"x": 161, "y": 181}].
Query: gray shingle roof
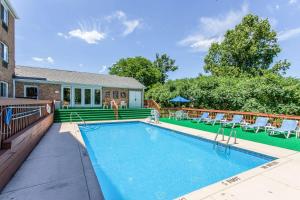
[{"x": 63, "y": 76}]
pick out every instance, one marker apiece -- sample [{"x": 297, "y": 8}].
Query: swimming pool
[{"x": 135, "y": 160}]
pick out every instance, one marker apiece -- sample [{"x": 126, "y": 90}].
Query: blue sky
[{"x": 91, "y": 35}]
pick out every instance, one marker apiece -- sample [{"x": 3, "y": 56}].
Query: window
[
  {"x": 115, "y": 94},
  {"x": 3, "y": 89},
  {"x": 4, "y": 17},
  {"x": 31, "y": 92},
  {"x": 67, "y": 95},
  {"x": 87, "y": 96},
  {"x": 123, "y": 95},
  {"x": 107, "y": 94},
  {"x": 4, "y": 52},
  {"x": 97, "y": 97},
  {"x": 77, "y": 96}
]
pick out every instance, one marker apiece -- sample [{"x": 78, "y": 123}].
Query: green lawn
[{"x": 261, "y": 137}]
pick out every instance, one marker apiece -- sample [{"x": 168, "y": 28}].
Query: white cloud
[
  {"x": 91, "y": 37},
  {"x": 63, "y": 35},
  {"x": 293, "y": 2},
  {"x": 47, "y": 60},
  {"x": 103, "y": 69},
  {"x": 50, "y": 60},
  {"x": 38, "y": 59},
  {"x": 89, "y": 30},
  {"x": 129, "y": 25},
  {"x": 212, "y": 29},
  {"x": 285, "y": 35}
]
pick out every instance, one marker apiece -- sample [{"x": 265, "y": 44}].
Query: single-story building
[{"x": 77, "y": 89}]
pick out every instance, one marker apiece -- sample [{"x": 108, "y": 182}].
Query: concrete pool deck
[{"x": 59, "y": 168}]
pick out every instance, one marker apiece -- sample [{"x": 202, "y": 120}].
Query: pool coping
[{"x": 283, "y": 156}]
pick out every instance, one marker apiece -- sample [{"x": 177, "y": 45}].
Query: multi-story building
[{"x": 7, "y": 48}]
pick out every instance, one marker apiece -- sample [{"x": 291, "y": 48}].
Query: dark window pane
[
  {"x": 107, "y": 94},
  {"x": 97, "y": 97},
  {"x": 87, "y": 96},
  {"x": 67, "y": 95},
  {"x": 32, "y": 92},
  {"x": 123, "y": 95},
  {"x": 3, "y": 89},
  {"x": 115, "y": 94},
  {"x": 77, "y": 96}
]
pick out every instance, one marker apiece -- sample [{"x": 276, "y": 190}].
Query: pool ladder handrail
[
  {"x": 221, "y": 130},
  {"x": 71, "y": 119}
]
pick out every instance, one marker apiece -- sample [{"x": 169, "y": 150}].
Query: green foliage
[
  {"x": 165, "y": 64},
  {"x": 145, "y": 71},
  {"x": 139, "y": 68},
  {"x": 270, "y": 93},
  {"x": 248, "y": 49}
]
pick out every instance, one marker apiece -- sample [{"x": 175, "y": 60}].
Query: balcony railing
[{"x": 24, "y": 113}]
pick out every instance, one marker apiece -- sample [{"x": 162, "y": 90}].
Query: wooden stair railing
[
  {"x": 115, "y": 107},
  {"x": 152, "y": 104}
]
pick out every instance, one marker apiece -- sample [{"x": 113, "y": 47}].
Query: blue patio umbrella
[{"x": 179, "y": 99}]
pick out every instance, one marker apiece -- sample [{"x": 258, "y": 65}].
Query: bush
[{"x": 270, "y": 93}]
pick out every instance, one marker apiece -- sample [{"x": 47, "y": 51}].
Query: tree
[
  {"x": 165, "y": 64},
  {"x": 139, "y": 68},
  {"x": 250, "y": 48}
]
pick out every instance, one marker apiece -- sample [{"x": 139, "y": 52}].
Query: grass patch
[{"x": 262, "y": 137}]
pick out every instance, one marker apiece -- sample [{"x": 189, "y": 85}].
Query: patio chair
[
  {"x": 155, "y": 116},
  {"x": 287, "y": 128},
  {"x": 123, "y": 105},
  {"x": 260, "y": 123},
  {"x": 236, "y": 120},
  {"x": 171, "y": 115},
  {"x": 218, "y": 118},
  {"x": 201, "y": 118},
  {"x": 65, "y": 104},
  {"x": 180, "y": 115}
]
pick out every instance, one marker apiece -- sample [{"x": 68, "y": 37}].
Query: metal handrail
[
  {"x": 24, "y": 114},
  {"x": 221, "y": 131},
  {"x": 71, "y": 119}
]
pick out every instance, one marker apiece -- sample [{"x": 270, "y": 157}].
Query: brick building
[
  {"x": 77, "y": 89},
  {"x": 7, "y": 48}
]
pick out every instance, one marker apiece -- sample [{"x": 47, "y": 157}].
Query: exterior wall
[
  {"x": 107, "y": 99},
  {"x": 8, "y": 37},
  {"x": 46, "y": 91}
]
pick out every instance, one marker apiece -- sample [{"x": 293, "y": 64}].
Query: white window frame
[
  {"x": 5, "y": 83},
  {"x": 31, "y": 86},
  {"x": 4, "y": 51}
]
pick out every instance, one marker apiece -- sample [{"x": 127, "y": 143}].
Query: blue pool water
[{"x": 134, "y": 160}]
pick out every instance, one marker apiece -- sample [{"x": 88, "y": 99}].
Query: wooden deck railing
[
  {"x": 275, "y": 119},
  {"x": 24, "y": 113}
]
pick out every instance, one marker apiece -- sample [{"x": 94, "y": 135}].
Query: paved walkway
[{"x": 57, "y": 169}]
